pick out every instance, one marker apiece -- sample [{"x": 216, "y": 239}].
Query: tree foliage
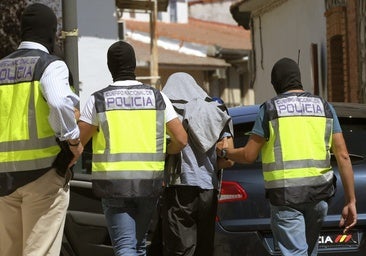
[{"x": 11, "y": 11}]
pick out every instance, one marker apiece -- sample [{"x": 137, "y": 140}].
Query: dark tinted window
[
  {"x": 241, "y": 133},
  {"x": 354, "y": 132},
  {"x": 241, "y": 136}
]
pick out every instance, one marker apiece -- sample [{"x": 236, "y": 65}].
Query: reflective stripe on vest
[
  {"x": 297, "y": 121},
  {"x": 122, "y": 149},
  {"x": 27, "y": 141}
]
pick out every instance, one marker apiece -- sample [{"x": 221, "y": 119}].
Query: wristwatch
[{"x": 223, "y": 153}]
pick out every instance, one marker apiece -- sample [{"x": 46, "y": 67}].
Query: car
[
  {"x": 243, "y": 216},
  {"x": 242, "y": 226}
]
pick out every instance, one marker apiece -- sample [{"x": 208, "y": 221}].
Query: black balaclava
[
  {"x": 39, "y": 24},
  {"x": 121, "y": 61},
  {"x": 286, "y": 76}
]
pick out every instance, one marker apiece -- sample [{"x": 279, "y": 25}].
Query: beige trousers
[{"x": 32, "y": 218}]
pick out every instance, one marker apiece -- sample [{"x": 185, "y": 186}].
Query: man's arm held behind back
[{"x": 178, "y": 136}]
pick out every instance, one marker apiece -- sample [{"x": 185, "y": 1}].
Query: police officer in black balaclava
[
  {"x": 121, "y": 61},
  {"x": 285, "y": 76},
  {"x": 295, "y": 133},
  {"x": 39, "y": 24},
  {"x": 37, "y": 117}
]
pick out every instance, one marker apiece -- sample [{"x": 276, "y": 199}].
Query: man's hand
[
  {"x": 76, "y": 148},
  {"x": 76, "y": 151},
  {"x": 222, "y": 161},
  {"x": 223, "y": 145},
  {"x": 349, "y": 217},
  {"x": 220, "y": 145}
]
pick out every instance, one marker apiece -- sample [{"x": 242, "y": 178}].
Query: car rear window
[
  {"x": 354, "y": 132},
  {"x": 241, "y": 133}
]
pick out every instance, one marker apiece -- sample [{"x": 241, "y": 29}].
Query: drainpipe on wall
[
  {"x": 70, "y": 36},
  {"x": 154, "y": 66}
]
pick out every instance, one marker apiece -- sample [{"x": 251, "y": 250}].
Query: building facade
[
  {"x": 215, "y": 54},
  {"x": 326, "y": 38},
  {"x": 346, "y": 65}
]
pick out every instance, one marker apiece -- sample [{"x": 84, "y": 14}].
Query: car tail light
[{"x": 232, "y": 191}]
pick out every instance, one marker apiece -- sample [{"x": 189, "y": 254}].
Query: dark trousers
[{"x": 187, "y": 221}]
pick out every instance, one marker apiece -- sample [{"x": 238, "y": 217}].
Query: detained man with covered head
[
  {"x": 128, "y": 122},
  {"x": 39, "y": 142},
  {"x": 190, "y": 197},
  {"x": 295, "y": 132}
]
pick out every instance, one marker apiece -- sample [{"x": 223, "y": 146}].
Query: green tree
[{"x": 11, "y": 11}]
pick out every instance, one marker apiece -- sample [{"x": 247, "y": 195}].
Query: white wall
[
  {"x": 216, "y": 12},
  {"x": 93, "y": 70},
  {"x": 182, "y": 14},
  {"x": 290, "y": 27},
  {"x": 97, "y": 18},
  {"x": 97, "y": 25}
]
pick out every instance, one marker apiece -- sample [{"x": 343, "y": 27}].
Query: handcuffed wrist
[
  {"x": 223, "y": 153},
  {"x": 72, "y": 143}
]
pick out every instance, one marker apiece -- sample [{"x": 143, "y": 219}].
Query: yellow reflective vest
[
  {"x": 27, "y": 141},
  {"x": 296, "y": 157},
  {"x": 129, "y": 148}
]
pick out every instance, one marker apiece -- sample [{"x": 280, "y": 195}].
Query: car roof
[
  {"x": 244, "y": 114},
  {"x": 350, "y": 110}
]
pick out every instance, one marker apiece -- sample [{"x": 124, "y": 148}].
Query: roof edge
[{"x": 242, "y": 18}]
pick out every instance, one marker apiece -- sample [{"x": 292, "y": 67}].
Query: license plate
[
  {"x": 328, "y": 241},
  {"x": 333, "y": 239}
]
